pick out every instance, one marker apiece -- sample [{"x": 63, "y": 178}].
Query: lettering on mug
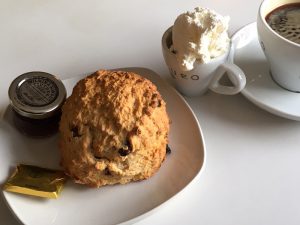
[
  {"x": 195, "y": 77},
  {"x": 173, "y": 73},
  {"x": 182, "y": 75},
  {"x": 262, "y": 45}
]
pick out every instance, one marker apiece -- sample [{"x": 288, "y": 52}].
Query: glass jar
[{"x": 36, "y": 99}]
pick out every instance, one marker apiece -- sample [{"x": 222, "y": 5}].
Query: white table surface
[{"x": 253, "y": 157}]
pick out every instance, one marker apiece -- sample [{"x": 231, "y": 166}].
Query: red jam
[{"x": 36, "y": 127}]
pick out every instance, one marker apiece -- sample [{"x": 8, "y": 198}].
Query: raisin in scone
[{"x": 114, "y": 129}]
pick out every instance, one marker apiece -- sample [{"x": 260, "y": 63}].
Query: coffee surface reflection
[{"x": 285, "y": 20}]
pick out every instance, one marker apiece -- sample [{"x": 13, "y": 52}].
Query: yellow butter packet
[{"x": 36, "y": 181}]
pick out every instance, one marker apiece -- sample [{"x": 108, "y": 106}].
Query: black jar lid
[{"x": 37, "y": 95}]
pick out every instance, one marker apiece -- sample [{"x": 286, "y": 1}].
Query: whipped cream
[{"x": 199, "y": 35}]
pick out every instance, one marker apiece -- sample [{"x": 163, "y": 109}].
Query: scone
[{"x": 114, "y": 129}]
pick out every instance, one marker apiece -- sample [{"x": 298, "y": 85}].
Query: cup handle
[{"x": 236, "y": 76}]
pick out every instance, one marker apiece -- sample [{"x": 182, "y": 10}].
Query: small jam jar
[{"x": 36, "y": 99}]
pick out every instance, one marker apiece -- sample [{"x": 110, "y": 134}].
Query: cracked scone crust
[{"x": 114, "y": 129}]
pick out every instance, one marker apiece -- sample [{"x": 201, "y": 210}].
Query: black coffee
[{"x": 285, "y": 20}]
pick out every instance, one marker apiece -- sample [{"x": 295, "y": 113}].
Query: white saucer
[{"x": 260, "y": 88}]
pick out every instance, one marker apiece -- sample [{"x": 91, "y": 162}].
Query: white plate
[
  {"x": 260, "y": 88},
  {"x": 111, "y": 204}
]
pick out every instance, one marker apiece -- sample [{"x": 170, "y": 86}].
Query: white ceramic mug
[
  {"x": 204, "y": 76},
  {"x": 282, "y": 54}
]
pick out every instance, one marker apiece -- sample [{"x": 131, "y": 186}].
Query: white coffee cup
[
  {"x": 204, "y": 76},
  {"x": 282, "y": 54}
]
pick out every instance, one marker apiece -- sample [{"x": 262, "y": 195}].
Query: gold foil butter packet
[{"x": 36, "y": 181}]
